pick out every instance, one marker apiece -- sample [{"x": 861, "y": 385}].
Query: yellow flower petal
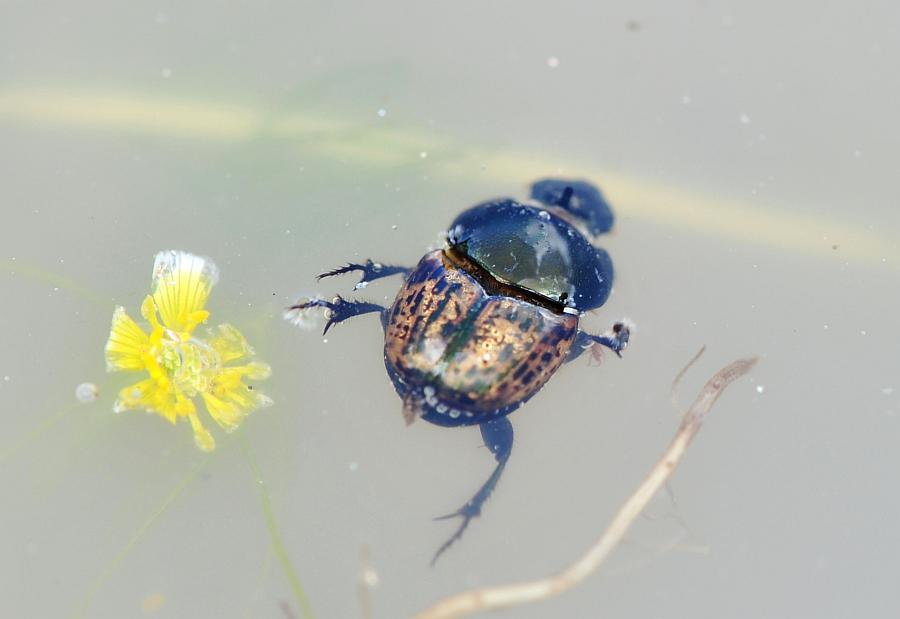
[
  {"x": 150, "y": 396},
  {"x": 126, "y": 344},
  {"x": 202, "y": 437},
  {"x": 148, "y": 311},
  {"x": 229, "y": 343},
  {"x": 181, "y": 285},
  {"x": 229, "y": 400}
]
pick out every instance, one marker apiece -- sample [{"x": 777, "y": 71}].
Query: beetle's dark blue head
[
  {"x": 534, "y": 249},
  {"x": 580, "y": 199}
]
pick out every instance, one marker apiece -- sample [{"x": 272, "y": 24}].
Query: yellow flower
[{"x": 180, "y": 364}]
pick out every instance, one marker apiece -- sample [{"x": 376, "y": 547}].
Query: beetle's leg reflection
[
  {"x": 371, "y": 271},
  {"x": 339, "y": 309},
  {"x": 616, "y": 339},
  {"x": 498, "y": 437}
]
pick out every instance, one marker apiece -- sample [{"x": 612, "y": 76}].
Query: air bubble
[{"x": 87, "y": 393}]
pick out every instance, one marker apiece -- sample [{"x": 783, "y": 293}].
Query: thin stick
[
  {"x": 490, "y": 598},
  {"x": 673, "y": 392}
]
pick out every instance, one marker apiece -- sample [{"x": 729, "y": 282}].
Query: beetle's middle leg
[
  {"x": 339, "y": 309},
  {"x": 498, "y": 437},
  {"x": 370, "y": 270},
  {"x": 616, "y": 339}
]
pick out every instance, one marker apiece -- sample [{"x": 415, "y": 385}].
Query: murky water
[{"x": 748, "y": 153}]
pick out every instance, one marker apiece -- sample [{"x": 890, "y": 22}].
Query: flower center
[{"x": 189, "y": 362}]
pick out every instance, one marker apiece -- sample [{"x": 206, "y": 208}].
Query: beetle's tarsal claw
[
  {"x": 615, "y": 339},
  {"x": 456, "y": 535},
  {"x": 370, "y": 270},
  {"x": 621, "y": 335},
  {"x": 467, "y": 511},
  {"x": 340, "y": 271}
]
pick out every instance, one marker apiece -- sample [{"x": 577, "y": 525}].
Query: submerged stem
[
  {"x": 277, "y": 543},
  {"x": 113, "y": 563}
]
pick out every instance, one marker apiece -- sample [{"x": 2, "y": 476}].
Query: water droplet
[
  {"x": 382, "y": 112},
  {"x": 760, "y": 389},
  {"x": 167, "y": 73},
  {"x": 745, "y": 120},
  {"x": 353, "y": 466},
  {"x": 423, "y": 155},
  {"x": 552, "y": 62}
]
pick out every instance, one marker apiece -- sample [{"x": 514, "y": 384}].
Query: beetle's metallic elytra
[{"x": 480, "y": 326}]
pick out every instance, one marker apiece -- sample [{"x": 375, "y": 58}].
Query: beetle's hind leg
[
  {"x": 616, "y": 339},
  {"x": 370, "y": 270},
  {"x": 498, "y": 437},
  {"x": 337, "y": 310}
]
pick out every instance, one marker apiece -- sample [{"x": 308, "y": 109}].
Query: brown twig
[{"x": 490, "y": 598}]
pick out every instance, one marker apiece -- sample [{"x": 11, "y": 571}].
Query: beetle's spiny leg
[
  {"x": 498, "y": 436},
  {"x": 371, "y": 271},
  {"x": 338, "y": 309}
]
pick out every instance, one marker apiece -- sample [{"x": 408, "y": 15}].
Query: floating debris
[
  {"x": 305, "y": 318},
  {"x": 153, "y": 602}
]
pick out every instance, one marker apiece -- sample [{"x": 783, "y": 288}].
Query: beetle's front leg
[
  {"x": 370, "y": 270},
  {"x": 616, "y": 339},
  {"x": 498, "y": 437},
  {"x": 336, "y": 311}
]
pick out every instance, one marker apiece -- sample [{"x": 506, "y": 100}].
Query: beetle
[{"x": 479, "y": 326}]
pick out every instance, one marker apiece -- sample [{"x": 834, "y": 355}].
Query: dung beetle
[{"x": 479, "y": 326}]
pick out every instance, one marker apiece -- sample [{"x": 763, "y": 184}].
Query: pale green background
[{"x": 249, "y": 132}]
